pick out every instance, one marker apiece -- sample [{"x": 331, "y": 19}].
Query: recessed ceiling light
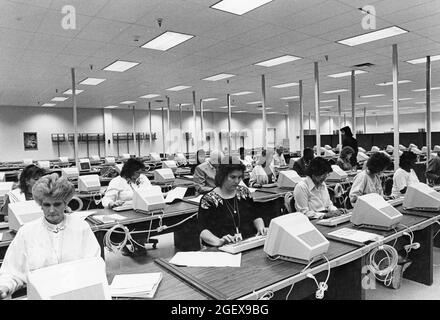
[
  {"x": 92, "y": 81},
  {"x": 289, "y": 98},
  {"x": 167, "y": 40},
  {"x": 225, "y": 107},
  {"x": 384, "y": 106},
  {"x": 220, "y": 76},
  {"x": 239, "y": 7},
  {"x": 423, "y": 60},
  {"x": 59, "y": 99},
  {"x": 390, "y": 83},
  {"x": 361, "y": 103},
  {"x": 150, "y": 96},
  {"x": 331, "y": 100},
  {"x": 277, "y": 61},
  {"x": 209, "y": 99},
  {"x": 285, "y": 85},
  {"x": 272, "y": 112},
  {"x": 48, "y": 105},
  {"x": 120, "y": 66},
  {"x": 242, "y": 93},
  {"x": 420, "y": 90},
  {"x": 240, "y": 111},
  {"x": 373, "y": 36},
  {"x": 178, "y": 88},
  {"x": 184, "y": 104},
  {"x": 403, "y": 99},
  {"x": 77, "y": 91},
  {"x": 110, "y": 107},
  {"x": 345, "y": 74},
  {"x": 127, "y": 102},
  {"x": 255, "y": 102},
  {"x": 373, "y": 95},
  {"x": 261, "y": 107},
  {"x": 336, "y": 91}
]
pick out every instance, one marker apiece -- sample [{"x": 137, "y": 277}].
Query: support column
[
  {"x": 168, "y": 124},
  {"x": 263, "y": 109},
  {"x": 108, "y": 131},
  {"x": 134, "y": 131},
  {"x": 163, "y": 133},
  {"x": 317, "y": 121},
  {"x": 395, "y": 108},
  {"x": 365, "y": 120},
  {"x": 339, "y": 120},
  {"x": 151, "y": 132},
  {"x": 201, "y": 124},
  {"x": 295, "y": 127},
  {"x": 301, "y": 118},
  {"x": 196, "y": 138},
  {"x": 428, "y": 109},
  {"x": 75, "y": 120},
  {"x": 353, "y": 103},
  {"x": 180, "y": 127},
  {"x": 228, "y": 100}
]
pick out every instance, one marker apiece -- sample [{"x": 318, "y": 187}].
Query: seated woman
[
  {"x": 52, "y": 239},
  {"x": 26, "y": 181},
  {"x": 405, "y": 175},
  {"x": 120, "y": 189},
  {"x": 245, "y": 160},
  {"x": 301, "y": 165},
  {"x": 311, "y": 194},
  {"x": 227, "y": 213},
  {"x": 262, "y": 173},
  {"x": 200, "y": 158},
  {"x": 204, "y": 173},
  {"x": 368, "y": 181},
  {"x": 344, "y": 161}
]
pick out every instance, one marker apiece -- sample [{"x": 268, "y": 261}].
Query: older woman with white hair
[
  {"x": 204, "y": 174},
  {"x": 54, "y": 238},
  {"x": 263, "y": 173}
]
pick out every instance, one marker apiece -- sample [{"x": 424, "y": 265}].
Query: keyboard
[
  {"x": 334, "y": 221},
  {"x": 269, "y": 185},
  {"x": 246, "y": 244},
  {"x": 396, "y": 202},
  {"x": 124, "y": 207}
]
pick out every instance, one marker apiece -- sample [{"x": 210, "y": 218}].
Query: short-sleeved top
[
  {"x": 216, "y": 214},
  {"x": 402, "y": 179}
]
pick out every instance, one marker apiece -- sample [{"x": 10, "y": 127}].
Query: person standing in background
[{"x": 350, "y": 141}]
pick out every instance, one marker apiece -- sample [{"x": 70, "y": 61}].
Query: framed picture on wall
[{"x": 30, "y": 141}]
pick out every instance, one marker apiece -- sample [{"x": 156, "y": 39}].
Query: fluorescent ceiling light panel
[
  {"x": 167, "y": 40},
  {"x": 128, "y": 102},
  {"x": 209, "y": 99},
  {"x": 110, "y": 107},
  {"x": 220, "y": 76},
  {"x": 336, "y": 91},
  {"x": 184, "y": 104},
  {"x": 432, "y": 89},
  {"x": 239, "y": 111},
  {"x": 255, "y": 102},
  {"x": 149, "y": 96},
  {"x": 423, "y": 60},
  {"x": 277, "y": 61},
  {"x": 384, "y": 106},
  {"x": 285, "y": 85},
  {"x": 373, "y": 36},
  {"x": 403, "y": 99},
  {"x": 120, "y": 66},
  {"x": 361, "y": 103},
  {"x": 267, "y": 108},
  {"x": 92, "y": 81},
  {"x": 373, "y": 95},
  {"x": 346, "y": 74},
  {"x": 77, "y": 91},
  {"x": 48, "y": 105},
  {"x": 178, "y": 88},
  {"x": 421, "y": 102},
  {"x": 242, "y": 93},
  {"x": 59, "y": 99},
  {"x": 390, "y": 83},
  {"x": 239, "y": 7},
  {"x": 331, "y": 100},
  {"x": 225, "y": 107},
  {"x": 289, "y": 98}
]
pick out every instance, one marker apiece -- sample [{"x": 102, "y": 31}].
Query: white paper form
[
  {"x": 176, "y": 193},
  {"x": 206, "y": 259}
]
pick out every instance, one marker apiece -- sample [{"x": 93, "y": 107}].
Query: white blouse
[
  {"x": 402, "y": 179},
  {"x": 36, "y": 246},
  {"x": 120, "y": 189}
]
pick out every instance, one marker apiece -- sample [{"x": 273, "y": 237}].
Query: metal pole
[
  {"x": 75, "y": 120},
  {"x": 163, "y": 133},
  {"x": 428, "y": 109},
  {"x": 201, "y": 124},
  {"x": 310, "y": 123},
  {"x": 345, "y": 119},
  {"x": 317, "y": 122},
  {"x": 301, "y": 118},
  {"x": 395, "y": 108},
  {"x": 196, "y": 144},
  {"x": 134, "y": 130},
  {"x": 365, "y": 120},
  {"x": 228, "y": 99},
  {"x": 151, "y": 132},
  {"x": 168, "y": 123},
  {"x": 180, "y": 126},
  {"x": 263, "y": 109},
  {"x": 339, "y": 119},
  {"x": 353, "y": 103}
]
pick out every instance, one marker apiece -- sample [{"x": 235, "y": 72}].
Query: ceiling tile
[{"x": 102, "y": 30}]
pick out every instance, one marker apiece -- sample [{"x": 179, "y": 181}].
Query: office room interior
[{"x": 187, "y": 136}]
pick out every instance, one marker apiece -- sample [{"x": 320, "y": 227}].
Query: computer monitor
[
  {"x": 416, "y": 151},
  {"x": 339, "y": 147},
  {"x": 70, "y": 173},
  {"x": 171, "y": 164},
  {"x": 424, "y": 149},
  {"x": 43, "y": 164},
  {"x": 95, "y": 157},
  {"x": 84, "y": 165},
  {"x": 89, "y": 183},
  {"x": 390, "y": 148},
  {"x": 119, "y": 167},
  {"x": 386, "y": 154},
  {"x": 63, "y": 159},
  {"x": 23, "y": 212},
  {"x": 180, "y": 158},
  {"x": 372, "y": 211},
  {"x": 328, "y": 147},
  {"x": 420, "y": 196},
  {"x": 329, "y": 153},
  {"x": 402, "y": 147},
  {"x": 155, "y": 157},
  {"x": 361, "y": 156},
  {"x": 148, "y": 198},
  {"x": 5, "y": 187},
  {"x": 375, "y": 149},
  {"x": 2, "y": 177},
  {"x": 337, "y": 174},
  {"x": 288, "y": 179},
  {"x": 360, "y": 149},
  {"x": 412, "y": 145},
  {"x": 293, "y": 237},
  {"x": 436, "y": 148},
  {"x": 109, "y": 160},
  {"x": 27, "y": 162},
  {"x": 83, "y": 279},
  {"x": 165, "y": 175},
  {"x": 292, "y": 162},
  {"x": 126, "y": 156}
]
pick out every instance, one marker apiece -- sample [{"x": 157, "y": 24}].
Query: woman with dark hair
[
  {"x": 120, "y": 189},
  {"x": 311, "y": 194},
  {"x": 227, "y": 213},
  {"x": 200, "y": 158},
  {"x": 368, "y": 180},
  {"x": 405, "y": 175},
  {"x": 301, "y": 165},
  {"x": 344, "y": 160},
  {"x": 26, "y": 181},
  {"x": 350, "y": 141}
]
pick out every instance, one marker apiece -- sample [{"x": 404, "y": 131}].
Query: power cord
[
  {"x": 267, "y": 296},
  {"x": 322, "y": 286},
  {"x": 391, "y": 256}
]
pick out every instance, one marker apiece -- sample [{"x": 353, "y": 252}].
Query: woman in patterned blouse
[{"x": 227, "y": 213}]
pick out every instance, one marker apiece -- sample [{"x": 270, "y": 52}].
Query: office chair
[
  {"x": 388, "y": 186},
  {"x": 76, "y": 204}
]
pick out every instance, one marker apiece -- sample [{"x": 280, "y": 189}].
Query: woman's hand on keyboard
[
  {"x": 116, "y": 203},
  {"x": 227, "y": 239},
  {"x": 262, "y": 231},
  {"x": 331, "y": 214}
]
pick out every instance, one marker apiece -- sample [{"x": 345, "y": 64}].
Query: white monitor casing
[
  {"x": 63, "y": 159},
  {"x": 337, "y": 174},
  {"x": 171, "y": 164},
  {"x": 70, "y": 173},
  {"x": 44, "y": 164},
  {"x": 389, "y": 148},
  {"x": 148, "y": 198},
  {"x": 361, "y": 156},
  {"x": 23, "y": 212},
  {"x": 95, "y": 157},
  {"x": 329, "y": 153},
  {"x": 5, "y": 187},
  {"x": 27, "y": 162},
  {"x": 288, "y": 179},
  {"x": 110, "y": 160},
  {"x": 2, "y": 176},
  {"x": 375, "y": 149},
  {"x": 89, "y": 183},
  {"x": 126, "y": 156},
  {"x": 328, "y": 147},
  {"x": 155, "y": 157},
  {"x": 360, "y": 149},
  {"x": 165, "y": 175},
  {"x": 421, "y": 196}
]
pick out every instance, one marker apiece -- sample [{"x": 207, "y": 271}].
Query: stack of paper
[
  {"x": 176, "y": 193},
  {"x": 206, "y": 259},
  {"x": 138, "y": 285},
  {"x": 109, "y": 217},
  {"x": 83, "y": 214},
  {"x": 196, "y": 199}
]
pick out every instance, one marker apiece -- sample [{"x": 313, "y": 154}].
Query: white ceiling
[{"x": 37, "y": 53}]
